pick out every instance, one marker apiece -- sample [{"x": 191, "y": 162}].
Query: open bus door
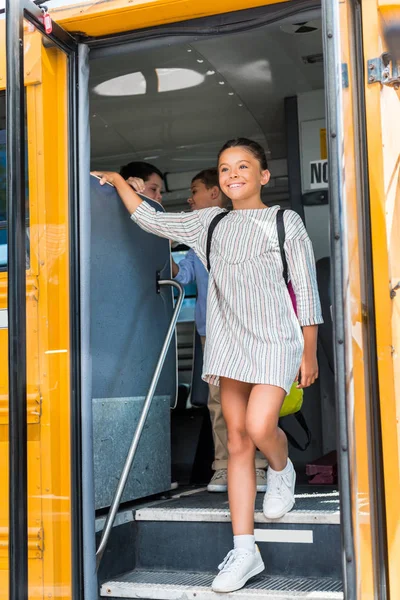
[
  {"x": 362, "y": 80},
  {"x": 42, "y": 530}
]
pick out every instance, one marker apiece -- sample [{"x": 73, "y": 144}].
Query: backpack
[{"x": 294, "y": 400}]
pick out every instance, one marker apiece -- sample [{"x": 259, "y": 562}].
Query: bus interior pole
[{"x": 16, "y": 303}]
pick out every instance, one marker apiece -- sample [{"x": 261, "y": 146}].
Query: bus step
[
  {"x": 176, "y": 585},
  {"x": 193, "y": 533},
  {"x": 319, "y": 505}
]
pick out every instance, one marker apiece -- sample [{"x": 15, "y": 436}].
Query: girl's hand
[
  {"x": 107, "y": 177},
  {"x": 136, "y": 183},
  {"x": 308, "y": 371},
  {"x": 126, "y": 192}
]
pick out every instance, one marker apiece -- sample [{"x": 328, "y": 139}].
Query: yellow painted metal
[
  {"x": 322, "y": 144},
  {"x": 48, "y": 177},
  {"x": 383, "y": 133},
  {"x": 355, "y": 336},
  {"x": 34, "y": 411},
  {"x": 389, "y": 11},
  {"x": 116, "y": 16},
  {"x": 48, "y": 285},
  {"x": 48, "y": 352},
  {"x": 32, "y": 56},
  {"x": 35, "y": 542}
]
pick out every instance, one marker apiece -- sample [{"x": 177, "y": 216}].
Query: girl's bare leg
[
  {"x": 244, "y": 561},
  {"x": 262, "y": 416},
  {"x": 262, "y": 425},
  {"x": 241, "y": 470}
]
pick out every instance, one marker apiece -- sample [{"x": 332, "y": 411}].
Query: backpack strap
[
  {"x": 280, "y": 225},
  {"x": 211, "y": 228},
  {"x": 303, "y": 424}
]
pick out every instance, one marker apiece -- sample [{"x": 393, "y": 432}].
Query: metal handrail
[{"x": 136, "y": 437}]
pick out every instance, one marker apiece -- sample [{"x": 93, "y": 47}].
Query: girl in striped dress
[{"x": 256, "y": 345}]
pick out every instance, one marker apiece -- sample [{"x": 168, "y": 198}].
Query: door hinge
[{"x": 385, "y": 70}]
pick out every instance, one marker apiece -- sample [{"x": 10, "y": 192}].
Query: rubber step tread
[{"x": 178, "y": 585}]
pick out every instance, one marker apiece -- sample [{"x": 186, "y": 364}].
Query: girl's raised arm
[
  {"x": 128, "y": 196},
  {"x": 185, "y": 228}
]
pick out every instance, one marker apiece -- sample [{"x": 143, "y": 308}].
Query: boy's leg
[
  {"x": 261, "y": 461},
  {"x": 219, "y": 481},
  {"x": 219, "y": 431}
]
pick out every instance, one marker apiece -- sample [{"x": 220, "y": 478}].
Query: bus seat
[
  {"x": 326, "y": 358},
  {"x": 325, "y": 332},
  {"x": 199, "y": 388},
  {"x": 129, "y": 321}
]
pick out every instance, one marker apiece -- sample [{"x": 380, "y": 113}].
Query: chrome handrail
[{"x": 136, "y": 437}]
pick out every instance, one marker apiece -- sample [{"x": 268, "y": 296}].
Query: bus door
[
  {"x": 38, "y": 393},
  {"x": 363, "y": 105}
]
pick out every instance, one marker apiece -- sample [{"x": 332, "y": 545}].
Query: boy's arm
[
  {"x": 185, "y": 272},
  {"x": 174, "y": 268}
]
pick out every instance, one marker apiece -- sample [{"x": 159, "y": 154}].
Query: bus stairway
[{"x": 169, "y": 549}]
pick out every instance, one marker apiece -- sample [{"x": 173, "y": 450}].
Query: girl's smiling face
[{"x": 241, "y": 176}]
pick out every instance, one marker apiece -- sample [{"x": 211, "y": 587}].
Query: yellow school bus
[{"x": 98, "y": 409}]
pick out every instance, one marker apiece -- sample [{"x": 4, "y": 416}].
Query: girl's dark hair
[
  {"x": 139, "y": 169},
  {"x": 250, "y": 145}
]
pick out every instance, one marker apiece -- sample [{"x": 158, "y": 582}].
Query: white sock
[{"x": 248, "y": 542}]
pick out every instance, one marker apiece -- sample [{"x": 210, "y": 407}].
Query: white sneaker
[
  {"x": 236, "y": 569},
  {"x": 261, "y": 480},
  {"x": 219, "y": 481},
  {"x": 279, "y": 498}
]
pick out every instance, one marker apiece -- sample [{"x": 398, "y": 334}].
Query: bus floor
[{"x": 169, "y": 547}]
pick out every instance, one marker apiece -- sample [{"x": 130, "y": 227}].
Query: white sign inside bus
[{"x": 319, "y": 175}]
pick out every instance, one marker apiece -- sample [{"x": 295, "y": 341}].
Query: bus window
[
  {"x": 3, "y": 207},
  {"x": 187, "y": 312}
]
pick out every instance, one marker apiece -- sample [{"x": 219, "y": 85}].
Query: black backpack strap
[
  {"x": 303, "y": 424},
  {"x": 281, "y": 238},
  {"x": 211, "y": 228}
]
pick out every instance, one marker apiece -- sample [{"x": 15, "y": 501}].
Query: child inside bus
[
  {"x": 206, "y": 193},
  {"x": 256, "y": 345},
  {"x": 149, "y": 174}
]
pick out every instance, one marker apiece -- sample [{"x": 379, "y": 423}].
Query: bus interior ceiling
[{"x": 174, "y": 105}]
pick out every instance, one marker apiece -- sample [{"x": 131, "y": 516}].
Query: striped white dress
[{"x": 253, "y": 334}]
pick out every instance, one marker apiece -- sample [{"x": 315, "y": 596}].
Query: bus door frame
[
  {"x": 16, "y": 12},
  {"x": 339, "y": 43}
]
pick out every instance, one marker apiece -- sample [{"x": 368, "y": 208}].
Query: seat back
[
  {"x": 326, "y": 358},
  {"x": 129, "y": 322}
]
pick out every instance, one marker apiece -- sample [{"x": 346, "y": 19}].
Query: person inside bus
[
  {"x": 206, "y": 193},
  {"x": 256, "y": 344},
  {"x": 152, "y": 177}
]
